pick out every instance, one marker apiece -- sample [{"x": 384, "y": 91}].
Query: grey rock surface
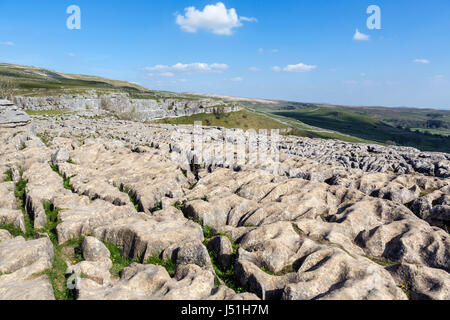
[
  {"x": 62, "y": 155},
  {"x": 94, "y": 250},
  {"x": 223, "y": 248},
  {"x": 11, "y": 116},
  {"x": 121, "y": 104},
  {"x": 336, "y": 220},
  {"x": 21, "y": 265}
]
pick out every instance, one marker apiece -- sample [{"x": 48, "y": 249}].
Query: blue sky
[{"x": 299, "y": 50}]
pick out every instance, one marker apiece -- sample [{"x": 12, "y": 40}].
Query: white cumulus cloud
[
  {"x": 189, "y": 67},
  {"x": 215, "y": 18},
  {"x": 248, "y": 19},
  {"x": 423, "y": 61},
  {"x": 358, "y": 36},
  {"x": 254, "y": 69},
  {"x": 237, "y": 79},
  {"x": 300, "y": 67}
]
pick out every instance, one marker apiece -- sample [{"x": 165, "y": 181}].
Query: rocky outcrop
[
  {"x": 150, "y": 282},
  {"x": 11, "y": 116},
  {"x": 422, "y": 283},
  {"x": 325, "y": 225},
  {"x": 223, "y": 248},
  {"x": 121, "y": 104},
  {"x": 21, "y": 266},
  {"x": 57, "y": 103}
]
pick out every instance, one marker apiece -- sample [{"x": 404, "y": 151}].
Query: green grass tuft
[
  {"x": 76, "y": 245},
  {"x": 192, "y": 186},
  {"x": 406, "y": 290},
  {"x": 19, "y": 193},
  {"x": 46, "y": 112},
  {"x": 427, "y": 192},
  {"x": 208, "y": 232},
  {"x": 137, "y": 204},
  {"x": 8, "y": 176},
  {"x": 158, "y": 207},
  {"x": 169, "y": 265},
  {"x": 383, "y": 261},
  {"x": 119, "y": 261},
  {"x": 52, "y": 221},
  {"x": 57, "y": 277},
  {"x": 66, "y": 180},
  {"x": 45, "y": 137},
  {"x": 267, "y": 271},
  {"x": 228, "y": 275},
  {"x": 57, "y": 274},
  {"x": 12, "y": 229},
  {"x": 179, "y": 205}
]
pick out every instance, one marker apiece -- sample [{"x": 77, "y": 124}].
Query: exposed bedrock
[{"x": 335, "y": 221}]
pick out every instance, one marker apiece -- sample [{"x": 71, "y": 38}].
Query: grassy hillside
[
  {"x": 34, "y": 81},
  {"x": 365, "y": 127},
  {"x": 408, "y": 117},
  {"x": 397, "y": 117},
  {"x": 441, "y": 132},
  {"x": 425, "y": 129},
  {"x": 303, "y": 130},
  {"x": 253, "y": 120},
  {"x": 28, "y": 78},
  {"x": 240, "y": 120}
]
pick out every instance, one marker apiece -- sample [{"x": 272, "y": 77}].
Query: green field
[
  {"x": 364, "y": 127},
  {"x": 47, "y": 112},
  {"x": 327, "y": 135},
  {"x": 439, "y": 132},
  {"x": 425, "y": 129},
  {"x": 303, "y": 130},
  {"x": 250, "y": 120},
  {"x": 239, "y": 120}
]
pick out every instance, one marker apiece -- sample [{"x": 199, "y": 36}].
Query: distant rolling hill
[
  {"x": 425, "y": 129},
  {"x": 35, "y": 81},
  {"x": 370, "y": 128},
  {"x": 26, "y": 78}
]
